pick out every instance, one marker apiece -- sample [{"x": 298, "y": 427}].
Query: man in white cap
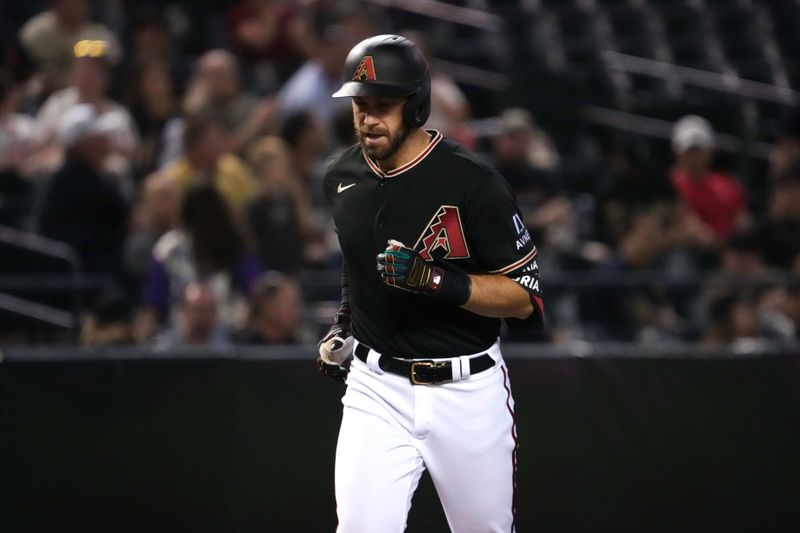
[
  {"x": 715, "y": 201},
  {"x": 84, "y": 207},
  {"x": 90, "y": 77}
]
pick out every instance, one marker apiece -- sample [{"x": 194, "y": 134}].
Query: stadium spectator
[
  {"x": 625, "y": 214},
  {"x": 732, "y": 317},
  {"x": 305, "y": 138},
  {"x": 89, "y": 81},
  {"x": 49, "y": 39},
  {"x": 217, "y": 85},
  {"x": 197, "y": 322},
  {"x": 628, "y": 188},
  {"x": 790, "y": 306},
  {"x": 152, "y": 39},
  {"x": 279, "y": 216},
  {"x": 206, "y": 246},
  {"x": 271, "y": 37},
  {"x": 109, "y": 323},
  {"x": 276, "y": 310},
  {"x": 527, "y": 159},
  {"x": 208, "y": 160},
  {"x": 84, "y": 206},
  {"x": 16, "y": 62},
  {"x": 449, "y": 106},
  {"x": 636, "y": 312},
  {"x": 311, "y": 86},
  {"x": 155, "y": 214},
  {"x": 643, "y": 234},
  {"x": 714, "y": 201},
  {"x": 151, "y": 100},
  {"x": 779, "y": 232},
  {"x": 742, "y": 256},
  {"x": 16, "y": 141},
  {"x": 739, "y": 316},
  {"x": 785, "y": 152},
  {"x": 344, "y": 134}
]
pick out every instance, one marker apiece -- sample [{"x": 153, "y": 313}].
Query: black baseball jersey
[{"x": 451, "y": 208}]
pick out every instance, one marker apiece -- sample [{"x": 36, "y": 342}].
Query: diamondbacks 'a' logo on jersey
[
  {"x": 365, "y": 70},
  {"x": 446, "y": 232}
]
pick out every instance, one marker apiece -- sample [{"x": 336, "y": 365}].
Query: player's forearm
[{"x": 498, "y": 297}]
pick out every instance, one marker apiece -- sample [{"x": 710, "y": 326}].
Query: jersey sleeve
[{"x": 502, "y": 244}]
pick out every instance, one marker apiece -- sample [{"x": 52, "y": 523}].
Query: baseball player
[{"x": 435, "y": 255}]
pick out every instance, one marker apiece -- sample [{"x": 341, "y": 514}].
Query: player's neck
[{"x": 414, "y": 144}]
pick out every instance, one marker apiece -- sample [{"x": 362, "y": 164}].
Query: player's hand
[
  {"x": 334, "y": 349},
  {"x": 402, "y": 267}
]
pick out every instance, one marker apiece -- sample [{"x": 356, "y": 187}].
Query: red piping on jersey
[
  {"x": 516, "y": 264},
  {"x": 514, "y": 453},
  {"x": 408, "y": 166}
]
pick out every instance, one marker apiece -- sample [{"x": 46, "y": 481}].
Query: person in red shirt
[{"x": 714, "y": 202}]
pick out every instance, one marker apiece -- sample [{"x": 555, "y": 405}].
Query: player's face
[{"x": 379, "y": 125}]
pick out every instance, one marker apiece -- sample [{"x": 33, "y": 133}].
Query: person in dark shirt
[
  {"x": 84, "y": 207},
  {"x": 16, "y": 136},
  {"x": 151, "y": 99},
  {"x": 206, "y": 246},
  {"x": 525, "y": 157},
  {"x": 276, "y": 311},
  {"x": 279, "y": 216},
  {"x": 779, "y": 232}
]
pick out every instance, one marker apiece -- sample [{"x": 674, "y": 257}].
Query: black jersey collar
[{"x": 411, "y": 164}]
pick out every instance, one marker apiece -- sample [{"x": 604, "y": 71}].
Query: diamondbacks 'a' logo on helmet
[
  {"x": 365, "y": 70},
  {"x": 446, "y": 232}
]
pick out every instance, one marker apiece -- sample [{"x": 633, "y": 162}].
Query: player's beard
[{"x": 395, "y": 141}]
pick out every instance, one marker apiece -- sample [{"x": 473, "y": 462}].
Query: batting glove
[
  {"x": 403, "y": 268},
  {"x": 334, "y": 349}
]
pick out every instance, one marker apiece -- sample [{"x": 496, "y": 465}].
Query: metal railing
[
  {"x": 51, "y": 249},
  {"x": 38, "y": 312},
  {"x": 724, "y": 83},
  {"x": 440, "y": 10},
  {"x": 465, "y": 16},
  {"x": 41, "y": 245},
  {"x": 662, "y": 129}
]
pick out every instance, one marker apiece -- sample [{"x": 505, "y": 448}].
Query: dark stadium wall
[{"x": 247, "y": 445}]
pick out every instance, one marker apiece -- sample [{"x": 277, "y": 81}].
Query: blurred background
[
  {"x": 160, "y": 194},
  {"x": 161, "y": 162}
]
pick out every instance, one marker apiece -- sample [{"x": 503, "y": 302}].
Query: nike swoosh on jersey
[{"x": 340, "y": 189}]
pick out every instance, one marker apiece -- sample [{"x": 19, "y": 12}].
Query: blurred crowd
[{"x": 180, "y": 151}]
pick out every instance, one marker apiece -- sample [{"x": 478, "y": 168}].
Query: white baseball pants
[{"x": 463, "y": 432}]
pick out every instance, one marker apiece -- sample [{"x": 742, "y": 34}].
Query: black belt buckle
[{"x": 425, "y": 364}]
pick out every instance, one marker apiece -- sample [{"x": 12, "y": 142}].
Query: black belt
[{"x": 424, "y": 371}]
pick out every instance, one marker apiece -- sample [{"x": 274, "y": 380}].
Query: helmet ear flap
[{"x": 418, "y": 106}]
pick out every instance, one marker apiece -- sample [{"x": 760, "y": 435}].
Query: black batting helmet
[{"x": 393, "y": 66}]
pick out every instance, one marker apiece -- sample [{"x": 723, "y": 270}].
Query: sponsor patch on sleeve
[{"x": 523, "y": 235}]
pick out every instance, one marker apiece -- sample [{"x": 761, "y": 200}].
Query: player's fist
[
  {"x": 334, "y": 349},
  {"x": 403, "y": 268}
]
